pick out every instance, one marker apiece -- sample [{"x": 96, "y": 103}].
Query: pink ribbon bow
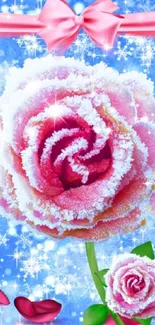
[
  {"x": 58, "y": 25},
  {"x": 63, "y": 26}
]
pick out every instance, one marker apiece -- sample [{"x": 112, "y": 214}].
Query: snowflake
[
  {"x": 24, "y": 240},
  {"x": 15, "y": 9},
  {"x": 31, "y": 44},
  {"x": 145, "y": 50},
  {"x": 3, "y": 239},
  {"x": 123, "y": 52},
  {"x": 81, "y": 47},
  {"x": 140, "y": 48},
  {"x": 68, "y": 285},
  {"x": 145, "y": 5},
  {"x": 32, "y": 266}
]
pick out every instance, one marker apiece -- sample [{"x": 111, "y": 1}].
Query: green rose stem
[
  {"x": 90, "y": 250},
  {"x": 91, "y": 256},
  {"x": 116, "y": 318}
]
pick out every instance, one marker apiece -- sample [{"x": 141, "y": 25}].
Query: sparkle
[
  {"x": 16, "y": 256},
  {"x": 148, "y": 184},
  {"x": 78, "y": 7},
  {"x": 144, "y": 118},
  {"x": 56, "y": 111}
]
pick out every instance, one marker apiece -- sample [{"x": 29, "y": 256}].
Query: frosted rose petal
[{"x": 146, "y": 132}]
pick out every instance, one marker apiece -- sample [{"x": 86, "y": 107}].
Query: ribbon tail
[
  {"x": 139, "y": 24},
  {"x": 18, "y": 25}
]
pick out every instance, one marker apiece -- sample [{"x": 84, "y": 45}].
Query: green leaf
[
  {"x": 103, "y": 272},
  {"x": 101, "y": 275},
  {"x": 143, "y": 321},
  {"x": 144, "y": 250},
  {"x": 100, "y": 279},
  {"x": 96, "y": 315}
]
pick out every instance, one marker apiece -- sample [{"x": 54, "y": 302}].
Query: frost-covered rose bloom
[
  {"x": 130, "y": 288},
  {"x": 76, "y": 154}
]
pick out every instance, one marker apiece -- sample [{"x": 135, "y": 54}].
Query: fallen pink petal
[
  {"x": 3, "y": 299},
  {"x": 37, "y": 311}
]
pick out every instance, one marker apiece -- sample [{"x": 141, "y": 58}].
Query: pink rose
[
  {"x": 76, "y": 155},
  {"x": 130, "y": 288}
]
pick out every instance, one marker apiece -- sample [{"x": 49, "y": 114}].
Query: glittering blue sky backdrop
[{"x": 38, "y": 266}]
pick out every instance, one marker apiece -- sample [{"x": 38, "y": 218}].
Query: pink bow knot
[{"x": 79, "y": 20}]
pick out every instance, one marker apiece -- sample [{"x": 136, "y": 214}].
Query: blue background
[{"x": 38, "y": 266}]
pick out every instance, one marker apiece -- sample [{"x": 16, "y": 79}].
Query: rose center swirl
[
  {"x": 74, "y": 152},
  {"x": 134, "y": 283}
]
